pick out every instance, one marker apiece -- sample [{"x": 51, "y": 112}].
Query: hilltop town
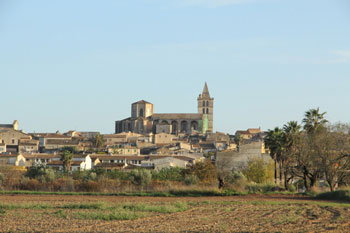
[{"x": 144, "y": 140}]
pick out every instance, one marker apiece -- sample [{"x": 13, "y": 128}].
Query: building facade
[{"x": 143, "y": 120}]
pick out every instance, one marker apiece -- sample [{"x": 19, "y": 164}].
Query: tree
[
  {"x": 205, "y": 171},
  {"x": 238, "y": 140},
  {"x": 258, "y": 171},
  {"x": 291, "y": 133},
  {"x": 67, "y": 158},
  {"x": 98, "y": 141},
  {"x": 309, "y": 158},
  {"x": 274, "y": 141},
  {"x": 334, "y": 148},
  {"x": 314, "y": 120}
]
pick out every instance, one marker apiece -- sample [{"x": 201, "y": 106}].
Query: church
[{"x": 143, "y": 120}]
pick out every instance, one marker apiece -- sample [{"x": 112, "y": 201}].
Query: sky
[{"x": 78, "y": 65}]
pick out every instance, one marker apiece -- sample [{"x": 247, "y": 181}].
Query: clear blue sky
[{"x": 79, "y": 64}]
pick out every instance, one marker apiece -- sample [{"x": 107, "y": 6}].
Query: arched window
[
  {"x": 141, "y": 112},
  {"x": 203, "y": 110},
  {"x": 207, "y": 110},
  {"x": 203, "y": 103},
  {"x": 207, "y": 103}
]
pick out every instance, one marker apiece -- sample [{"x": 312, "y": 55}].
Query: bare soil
[{"x": 252, "y": 213}]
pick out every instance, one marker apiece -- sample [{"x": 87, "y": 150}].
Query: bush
[
  {"x": 1, "y": 178},
  {"x": 140, "y": 177},
  {"x": 41, "y": 173},
  {"x": 340, "y": 195},
  {"x": 191, "y": 180},
  {"x": 206, "y": 172},
  {"x": 292, "y": 188},
  {"x": 90, "y": 176},
  {"x": 64, "y": 185},
  {"x": 169, "y": 174},
  {"x": 30, "y": 184},
  {"x": 234, "y": 180},
  {"x": 262, "y": 188},
  {"x": 259, "y": 171}
]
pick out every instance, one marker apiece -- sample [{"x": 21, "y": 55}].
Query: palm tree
[
  {"x": 314, "y": 120},
  {"x": 291, "y": 131},
  {"x": 67, "y": 158},
  {"x": 98, "y": 141},
  {"x": 274, "y": 141}
]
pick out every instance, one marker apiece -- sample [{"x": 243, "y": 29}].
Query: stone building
[{"x": 144, "y": 120}]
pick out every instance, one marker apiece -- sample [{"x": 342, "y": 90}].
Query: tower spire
[{"x": 205, "y": 92}]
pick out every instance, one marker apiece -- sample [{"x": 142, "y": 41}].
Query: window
[
  {"x": 207, "y": 110},
  {"x": 203, "y": 103},
  {"x": 13, "y": 141},
  {"x": 207, "y": 103},
  {"x": 141, "y": 112},
  {"x": 203, "y": 111}
]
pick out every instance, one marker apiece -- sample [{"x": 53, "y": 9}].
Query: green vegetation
[
  {"x": 317, "y": 150},
  {"x": 103, "y": 210},
  {"x": 339, "y": 195}
]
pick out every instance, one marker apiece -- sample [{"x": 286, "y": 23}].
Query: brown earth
[{"x": 252, "y": 213}]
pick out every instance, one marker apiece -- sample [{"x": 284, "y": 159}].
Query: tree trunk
[
  {"x": 285, "y": 180},
  {"x": 313, "y": 181},
  {"x": 306, "y": 183},
  {"x": 280, "y": 171},
  {"x": 275, "y": 171}
]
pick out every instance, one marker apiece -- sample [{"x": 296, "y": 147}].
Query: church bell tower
[{"x": 206, "y": 106}]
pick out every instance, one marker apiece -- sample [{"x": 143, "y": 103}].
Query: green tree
[
  {"x": 274, "y": 141},
  {"x": 98, "y": 141},
  {"x": 313, "y": 120},
  {"x": 258, "y": 171},
  {"x": 291, "y": 133},
  {"x": 205, "y": 171},
  {"x": 67, "y": 159}
]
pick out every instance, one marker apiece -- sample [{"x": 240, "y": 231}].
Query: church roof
[
  {"x": 177, "y": 116},
  {"x": 6, "y": 126},
  {"x": 142, "y": 102}
]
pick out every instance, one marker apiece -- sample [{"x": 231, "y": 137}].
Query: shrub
[
  {"x": 90, "y": 176},
  {"x": 234, "y": 180},
  {"x": 140, "y": 177},
  {"x": 64, "y": 184},
  {"x": 191, "y": 180},
  {"x": 206, "y": 172},
  {"x": 262, "y": 188},
  {"x": 42, "y": 173},
  {"x": 169, "y": 174},
  {"x": 259, "y": 171},
  {"x": 30, "y": 184},
  {"x": 340, "y": 195},
  {"x": 1, "y": 178},
  {"x": 292, "y": 188}
]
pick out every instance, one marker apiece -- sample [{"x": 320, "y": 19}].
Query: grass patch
[
  {"x": 168, "y": 208},
  {"x": 95, "y": 206},
  {"x": 25, "y": 206},
  {"x": 171, "y": 193},
  {"x": 115, "y": 215},
  {"x": 61, "y": 214}
]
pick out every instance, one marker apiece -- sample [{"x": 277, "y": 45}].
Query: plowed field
[{"x": 253, "y": 213}]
